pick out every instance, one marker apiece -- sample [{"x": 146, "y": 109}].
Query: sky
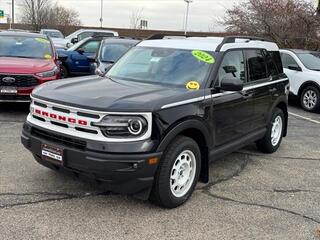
[{"x": 160, "y": 14}]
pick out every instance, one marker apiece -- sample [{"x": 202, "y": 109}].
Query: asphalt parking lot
[{"x": 250, "y": 195}]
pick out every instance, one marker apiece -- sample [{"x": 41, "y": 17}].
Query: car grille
[
  {"x": 14, "y": 98},
  {"x": 19, "y": 80},
  {"x": 68, "y": 141}
]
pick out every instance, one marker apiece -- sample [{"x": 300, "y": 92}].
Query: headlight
[
  {"x": 123, "y": 126},
  {"x": 50, "y": 73}
]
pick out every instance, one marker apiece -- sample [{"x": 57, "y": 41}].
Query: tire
[
  {"x": 273, "y": 138},
  {"x": 310, "y": 99},
  {"x": 179, "y": 155},
  {"x": 64, "y": 71}
]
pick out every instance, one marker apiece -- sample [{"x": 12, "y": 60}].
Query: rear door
[
  {"x": 261, "y": 72},
  {"x": 232, "y": 111}
]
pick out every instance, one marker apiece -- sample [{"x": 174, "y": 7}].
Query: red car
[{"x": 26, "y": 60}]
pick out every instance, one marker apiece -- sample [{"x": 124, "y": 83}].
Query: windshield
[
  {"x": 53, "y": 34},
  {"x": 77, "y": 45},
  {"x": 163, "y": 66},
  {"x": 25, "y": 47},
  {"x": 111, "y": 52},
  {"x": 310, "y": 60}
]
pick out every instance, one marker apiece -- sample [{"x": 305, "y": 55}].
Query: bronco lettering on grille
[{"x": 54, "y": 116}]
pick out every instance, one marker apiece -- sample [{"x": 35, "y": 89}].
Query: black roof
[{"x": 22, "y": 34}]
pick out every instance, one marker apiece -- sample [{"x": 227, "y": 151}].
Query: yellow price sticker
[
  {"x": 42, "y": 40},
  {"x": 203, "y": 56},
  {"x": 47, "y": 56}
]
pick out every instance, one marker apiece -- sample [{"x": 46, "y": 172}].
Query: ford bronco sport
[{"x": 166, "y": 109}]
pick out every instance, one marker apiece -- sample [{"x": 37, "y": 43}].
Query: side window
[
  {"x": 91, "y": 46},
  {"x": 256, "y": 65},
  {"x": 287, "y": 60},
  {"x": 271, "y": 66},
  {"x": 232, "y": 66},
  {"x": 84, "y": 35}
]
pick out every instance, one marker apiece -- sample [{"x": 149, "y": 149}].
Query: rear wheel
[
  {"x": 177, "y": 174},
  {"x": 310, "y": 99},
  {"x": 272, "y": 140}
]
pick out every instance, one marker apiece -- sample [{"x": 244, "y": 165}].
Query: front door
[
  {"x": 80, "y": 59},
  {"x": 232, "y": 111}
]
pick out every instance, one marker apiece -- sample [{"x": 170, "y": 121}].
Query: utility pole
[
  {"x": 12, "y": 17},
  {"x": 101, "y": 16},
  {"x": 187, "y": 16}
]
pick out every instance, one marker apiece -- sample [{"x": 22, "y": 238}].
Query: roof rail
[
  {"x": 232, "y": 39},
  {"x": 163, "y": 35}
]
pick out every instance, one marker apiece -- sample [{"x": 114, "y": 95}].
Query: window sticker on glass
[
  {"x": 42, "y": 40},
  {"x": 47, "y": 56},
  {"x": 203, "y": 56},
  {"x": 193, "y": 85}
]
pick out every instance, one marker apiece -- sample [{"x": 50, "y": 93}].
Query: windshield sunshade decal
[{"x": 203, "y": 56}]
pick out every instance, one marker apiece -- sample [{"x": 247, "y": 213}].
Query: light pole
[
  {"x": 101, "y": 17},
  {"x": 187, "y": 16}
]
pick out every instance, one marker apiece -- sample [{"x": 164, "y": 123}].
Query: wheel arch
[
  {"x": 196, "y": 130},
  {"x": 284, "y": 107},
  {"x": 307, "y": 84}
]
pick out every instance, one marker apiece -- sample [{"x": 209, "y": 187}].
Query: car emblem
[{"x": 8, "y": 80}]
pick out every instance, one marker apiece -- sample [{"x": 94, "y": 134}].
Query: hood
[
  {"x": 60, "y": 41},
  {"x": 25, "y": 65},
  {"x": 102, "y": 94}
]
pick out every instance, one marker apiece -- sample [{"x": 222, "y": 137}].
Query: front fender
[{"x": 186, "y": 125}]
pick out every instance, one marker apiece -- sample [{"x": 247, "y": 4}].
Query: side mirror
[
  {"x": 80, "y": 50},
  {"x": 231, "y": 84},
  {"x": 102, "y": 73},
  {"x": 295, "y": 68},
  {"x": 62, "y": 57},
  {"x": 91, "y": 59},
  {"x": 74, "y": 40}
]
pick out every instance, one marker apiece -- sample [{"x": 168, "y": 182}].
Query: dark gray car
[{"x": 110, "y": 51}]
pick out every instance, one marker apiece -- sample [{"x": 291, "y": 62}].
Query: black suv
[{"x": 166, "y": 109}]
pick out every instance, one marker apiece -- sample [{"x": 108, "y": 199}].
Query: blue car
[{"x": 77, "y": 63}]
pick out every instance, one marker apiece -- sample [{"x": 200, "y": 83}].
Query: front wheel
[
  {"x": 177, "y": 174},
  {"x": 310, "y": 99},
  {"x": 64, "y": 71},
  {"x": 272, "y": 140}
]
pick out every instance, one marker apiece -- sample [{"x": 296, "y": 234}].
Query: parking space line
[{"x": 305, "y": 118}]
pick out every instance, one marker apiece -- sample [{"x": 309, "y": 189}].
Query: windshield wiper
[
  {"x": 315, "y": 70},
  {"x": 16, "y": 56},
  {"x": 108, "y": 61}
]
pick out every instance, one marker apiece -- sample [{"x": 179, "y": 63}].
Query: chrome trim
[{"x": 199, "y": 99}]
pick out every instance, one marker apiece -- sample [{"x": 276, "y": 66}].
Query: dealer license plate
[{"x": 52, "y": 154}]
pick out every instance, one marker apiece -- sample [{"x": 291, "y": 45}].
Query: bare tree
[
  {"x": 291, "y": 23},
  {"x": 61, "y": 17},
  {"x": 136, "y": 17},
  {"x": 43, "y": 13},
  {"x": 35, "y": 12}
]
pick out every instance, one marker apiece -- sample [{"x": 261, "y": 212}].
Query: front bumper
[{"x": 127, "y": 173}]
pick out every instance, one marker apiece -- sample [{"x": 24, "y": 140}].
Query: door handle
[{"x": 247, "y": 95}]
